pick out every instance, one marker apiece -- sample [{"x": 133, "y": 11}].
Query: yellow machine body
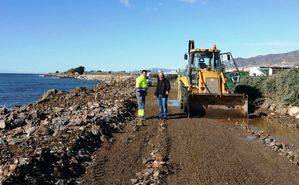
[{"x": 203, "y": 90}]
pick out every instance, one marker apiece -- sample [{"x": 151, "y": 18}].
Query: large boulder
[
  {"x": 293, "y": 111},
  {"x": 47, "y": 94},
  {"x": 281, "y": 111}
]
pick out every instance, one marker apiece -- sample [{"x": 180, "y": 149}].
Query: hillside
[{"x": 282, "y": 59}]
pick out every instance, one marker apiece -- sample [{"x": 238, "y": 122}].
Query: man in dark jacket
[{"x": 162, "y": 91}]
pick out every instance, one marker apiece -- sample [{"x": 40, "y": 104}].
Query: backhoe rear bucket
[{"x": 215, "y": 106}]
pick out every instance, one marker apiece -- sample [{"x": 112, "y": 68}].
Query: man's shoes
[
  {"x": 140, "y": 122},
  {"x": 164, "y": 120}
]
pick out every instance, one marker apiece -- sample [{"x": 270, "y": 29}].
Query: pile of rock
[
  {"x": 282, "y": 148},
  {"x": 52, "y": 141},
  {"x": 156, "y": 166},
  {"x": 285, "y": 149},
  {"x": 280, "y": 109},
  {"x": 155, "y": 169},
  {"x": 104, "y": 77}
]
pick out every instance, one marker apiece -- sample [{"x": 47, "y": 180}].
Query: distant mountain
[
  {"x": 165, "y": 70},
  {"x": 283, "y": 59},
  {"x": 155, "y": 70}
]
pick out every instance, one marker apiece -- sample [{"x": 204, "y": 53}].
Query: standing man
[
  {"x": 162, "y": 92},
  {"x": 141, "y": 92}
]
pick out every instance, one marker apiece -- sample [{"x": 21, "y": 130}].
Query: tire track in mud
[
  {"x": 99, "y": 171},
  {"x": 119, "y": 160}
]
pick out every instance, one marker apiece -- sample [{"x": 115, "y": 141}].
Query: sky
[{"x": 40, "y": 36}]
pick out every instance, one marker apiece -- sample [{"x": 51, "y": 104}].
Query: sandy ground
[{"x": 200, "y": 151}]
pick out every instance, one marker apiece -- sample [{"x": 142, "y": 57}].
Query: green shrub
[{"x": 282, "y": 87}]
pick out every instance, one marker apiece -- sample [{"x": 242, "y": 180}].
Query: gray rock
[
  {"x": 146, "y": 160},
  {"x": 272, "y": 143},
  {"x": 275, "y": 148},
  {"x": 283, "y": 151},
  {"x": 29, "y": 129},
  {"x": 24, "y": 108},
  {"x": 2, "y": 124},
  {"x": 272, "y": 107},
  {"x": 18, "y": 122},
  {"x": 74, "y": 108},
  {"x": 95, "y": 129},
  {"x": 148, "y": 172},
  {"x": 134, "y": 181},
  {"x": 268, "y": 140},
  {"x": 281, "y": 111},
  {"x": 76, "y": 121},
  {"x": 103, "y": 138},
  {"x": 22, "y": 115},
  {"x": 293, "y": 111},
  {"x": 57, "y": 109},
  {"x": 36, "y": 114},
  {"x": 11, "y": 117},
  {"x": 18, "y": 140},
  {"x": 262, "y": 141},
  {"x": 23, "y": 161},
  {"x": 279, "y": 145},
  {"x": 2, "y": 141},
  {"x": 3, "y": 111},
  {"x": 291, "y": 153}
]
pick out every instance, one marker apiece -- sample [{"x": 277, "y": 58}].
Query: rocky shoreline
[
  {"x": 100, "y": 77},
  {"x": 53, "y": 140}
]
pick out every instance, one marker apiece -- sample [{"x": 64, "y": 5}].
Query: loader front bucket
[{"x": 215, "y": 106}]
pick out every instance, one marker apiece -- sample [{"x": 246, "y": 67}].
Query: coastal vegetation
[
  {"x": 78, "y": 70},
  {"x": 282, "y": 87}
]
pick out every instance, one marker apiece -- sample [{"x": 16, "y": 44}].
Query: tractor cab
[{"x": 212, "y": 60}]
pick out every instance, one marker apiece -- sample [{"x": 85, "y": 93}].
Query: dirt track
[{"x": 200, "y": 151}]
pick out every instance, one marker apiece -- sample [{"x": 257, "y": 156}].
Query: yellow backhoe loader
[{"x": 203, "y": 87}]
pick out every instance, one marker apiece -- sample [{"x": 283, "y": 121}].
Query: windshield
[{"x": 202, "y": 60}]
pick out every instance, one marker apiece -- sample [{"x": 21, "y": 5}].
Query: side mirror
[
  {"x": 186, "y": 57},
  {"x": 228, "y": 56}
]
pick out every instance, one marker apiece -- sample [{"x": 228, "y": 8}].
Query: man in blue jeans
[
  {"x": 162, "y": 92},
  {"x": 141, "y": 92}
]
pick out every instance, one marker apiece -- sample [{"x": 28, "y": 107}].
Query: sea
[{"x": 22, "y": 89}]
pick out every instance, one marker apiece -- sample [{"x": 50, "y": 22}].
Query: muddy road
[{"x": 198, "y": 151}]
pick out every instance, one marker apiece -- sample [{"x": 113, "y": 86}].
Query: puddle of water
[
  {"x": 275, "y": 130},
  {"x": 174, "y": 103},
  {"x": 250, "y": 138}
]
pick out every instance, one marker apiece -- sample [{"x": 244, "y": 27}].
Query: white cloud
[{"x": 126, "y": 3}]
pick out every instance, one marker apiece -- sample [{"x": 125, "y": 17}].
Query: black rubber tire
[
  {"x": 186, "y": 103},
  {"x": 182, "y": 89},
  {"x": 188, "y": 107}
]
